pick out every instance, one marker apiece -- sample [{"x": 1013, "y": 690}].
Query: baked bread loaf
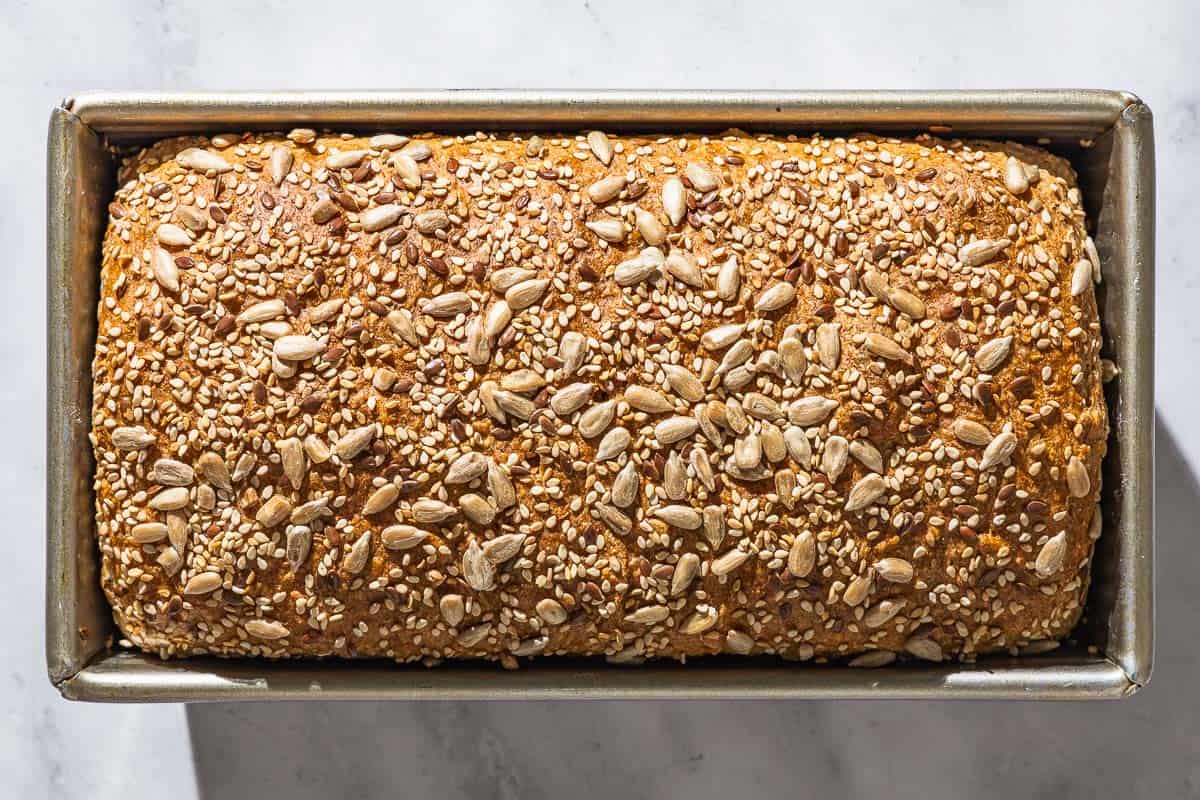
[{"x": 499, "y": 396}]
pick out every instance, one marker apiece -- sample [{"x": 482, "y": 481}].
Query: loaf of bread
[{"x": 496, "y": 396}]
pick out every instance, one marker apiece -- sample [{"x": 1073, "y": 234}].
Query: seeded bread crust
[{"x": 304, "y": 362}]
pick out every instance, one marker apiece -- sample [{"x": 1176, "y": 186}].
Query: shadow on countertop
[{"x": 1146, "y": 746}]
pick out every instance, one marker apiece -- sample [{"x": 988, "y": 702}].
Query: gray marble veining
[{"x": 1148, "y": 746}]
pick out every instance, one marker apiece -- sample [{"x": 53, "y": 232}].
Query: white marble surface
[{"x": 1148, "y": 746}]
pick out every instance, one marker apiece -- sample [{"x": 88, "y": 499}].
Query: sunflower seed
[
  {"x": 402, "y": 537},
  {"x": 906, "y": 303},
  {"x": 417, "y": 151},
  {"x": 169, "y": 472},
  {"x": 684, "y": 383},
  {"x": 381, "y": 499},
  {"x": 523, "y": 381},
  {"x": 429, "y": 511},
  {"x": 882, "y": 612},
  {"x": 344, "y": 160},
  {"x": 318, "y": 451},
  {"x": 793, "y": 359},
  {"x": 213, "y": 468},
  {"x": 648, "y": 615},
  {"x": 1096, "y": 526},
  {"x": 503, "y": 547},
  {"x": 633, "y": 271},
  {"x": 148, "y": 532},
  {"x": 407, "y": 168},
  {"x": 193, "y": 218},
  {"x": 703, "y": 469},
  {"x": 324, "y": 210},
  {"x": 380, "y": 217},
  {"x": 452, "y": 609},
  {"x": 307, "y": 512},
  {"x": 1079, "y": 483},
  {"x": 291, "y": 454},
  {"x": 682, "y": 517},
  {"x": 649, "y": 228},
  {"x": 686, "y": 570},
  {"x": 992, "y": 354},
  {"x": 360, "y": 552},
  {"x": 596, "y": 419},
  {"x": 531, "y": 646},
  {"x": 729, "y": 280},
  {"x": 202, "y": 160},
  {"x": 674, "y": 477},
  {"x": 981, "y": 251},
  {"x": 713, "y": 525},
  {"x": 571, "y": 398},
  {"x": 674, "y": 200},
  {"x": 775, "y": 298},
  {"x": 302, "y": 135},
  {"x": 132, "y": 438},
  {"x": 625, "y": 486},
  {"x": 738, "y": 642},
  {"x": 610, "y": 230},
  {"x": 261, "y": 312},
  {"x": 675, "y": 429},
  {"x": 701, "y": 620},
  {"x": 496, "y": 319},
  {"x": 798, "y": 446},
  {"x": 466, "y": 468},
  {"x": 703, "y": 416},
  {"x": 600, "y": 146},
  {"x": 809, "y": 411},
  {"x": 504, "y": 279},
  {"x": 614, "y": 519},
  {"x": 829, "y": 344},
  {"x": 774, "y": 446},
  {"x": 172, "y": 235},
  {"x": 551, "y": 611},
  {"x": 857, "y": 592},
  {"x": 165, "y": 270},
  {"x": 573, "y": 349},
  {"x": 354, "y": 442},
  {"x": 872, "y": 659},
  {"x": 876, "y": 283},
  {"x": 834, "y": 457},
  {"x": 762, "y": 407},
  {"x": 865, "y": 492},
  {"x": 1052, "y": 555},
  {"x": 1015, "y": 179},
  {"x": 606, "y": 189},
  {"x": 802, "y": 556},
  {"x": 477, "y": 508},
  {"x": 747, "y": 452},
  {"x": 1093, "y": 256},
  {"x": 504, "y": 495},
  {"x": 526, "y": 293},
  {"x": 297, "y": 348},
  {"x": 280, "y": 163},
  {"x": 477, "y": 570},
  {"x": 474, "y": 635},
  {"x": 400, "y": 323},
  {"x": 244, "y": 466},
  {"x": 202, "y": 583},
  {"x": 274, "y": 511},
  {"x": 867, "y": 455},
  {"x": 728, "y": 562},
  {"x": 478, "y": 349},
  {"x": 614, "y": 443},
  {"x": 921, "y": 647},
  {"x": 886, "y": 348},
  {"x": 998, "y": 451},
  {"x": 701, "y": 178},
  {"x": 170, "y": 499},
  {"x": 645, "y": 399},
  {"x": 894, "y": 570},
  {"x": 299, "y": 542},
  {"x": 430, "y": 222},
  {"x": 969, "y": 431},
  {"x": 785, "y": 486},
  {"x": 736, "y": 417},
  {"x": 1081, "y": 277},
  {"x": 448, "y": 305},
  {"x": 520, "y": 407},
  {"x": 683, "y": 267}
]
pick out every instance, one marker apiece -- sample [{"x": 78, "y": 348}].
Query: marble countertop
[{"x": 1147, "y": 746}]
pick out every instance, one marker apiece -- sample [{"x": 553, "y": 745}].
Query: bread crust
[{"x": 263, "y": 344}]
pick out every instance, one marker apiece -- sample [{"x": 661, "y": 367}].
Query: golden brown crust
[{"x": 943, "y": 509}]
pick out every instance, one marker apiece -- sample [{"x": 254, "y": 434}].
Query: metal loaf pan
[{"x": 1107, "y": 135}]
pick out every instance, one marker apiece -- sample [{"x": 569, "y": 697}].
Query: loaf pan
[{"x": 1107, "y": 135}]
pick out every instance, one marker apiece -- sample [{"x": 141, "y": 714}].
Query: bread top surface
[{"x": 643, "y": 396}]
